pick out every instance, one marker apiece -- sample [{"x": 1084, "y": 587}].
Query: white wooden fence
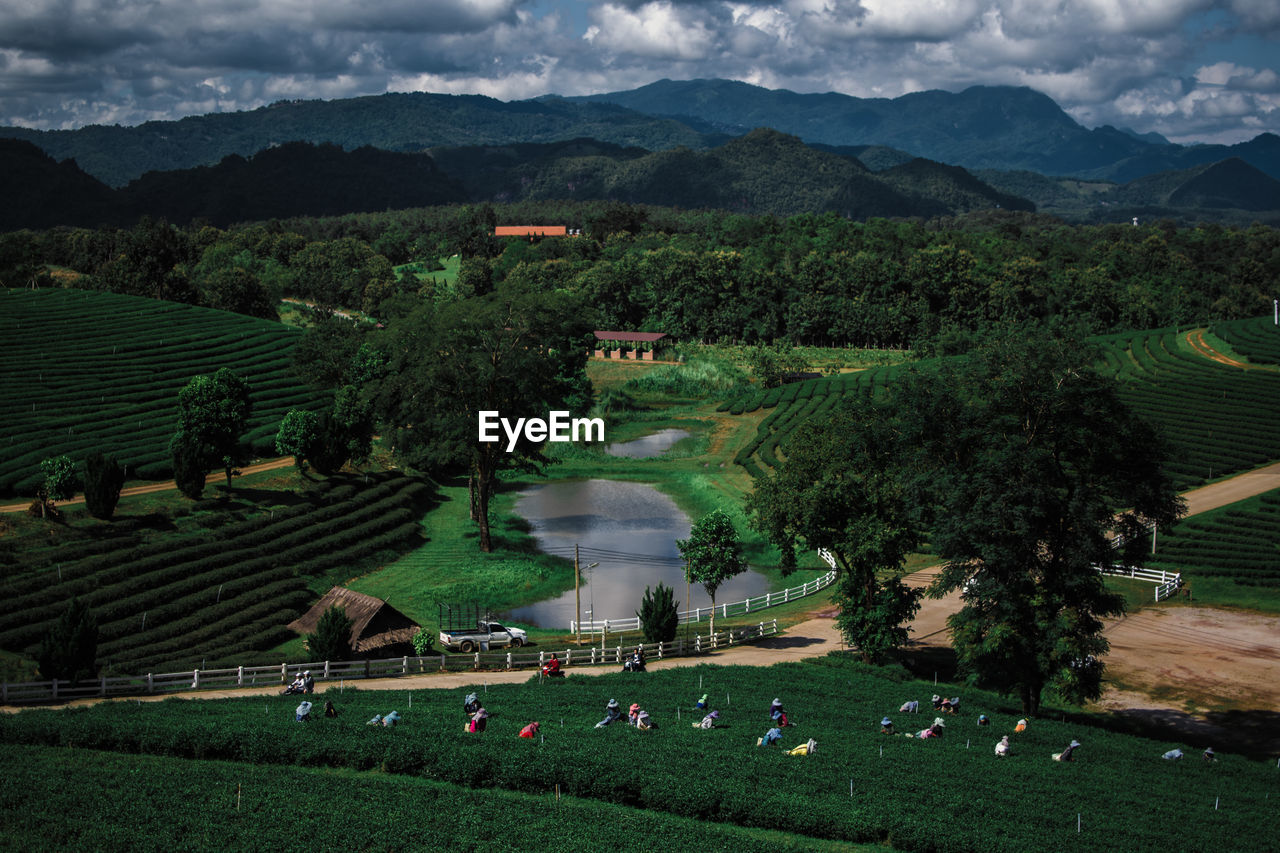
[
  {"x": 736, "y": 608},
  {"x": 1167, "y": 583},
  {"x": 280, "y": 675}
]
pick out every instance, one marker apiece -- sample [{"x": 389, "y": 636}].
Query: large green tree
[
  {"x": 213, "y": 411},
  {"x": 59, "y": 483},
  {"x": 843, "y": 488},
  {"x": 514, "y": 352},
  {"x": 1032, "y": 467},
  {"x": 69, "y": 649},
  {"x": 712, "y": 554},
  {"x": 103, "y": 480}
]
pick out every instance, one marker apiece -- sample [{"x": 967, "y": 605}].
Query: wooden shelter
[
  {"x": 376, "y": 624},
  {"x": 635, "y": 345}
]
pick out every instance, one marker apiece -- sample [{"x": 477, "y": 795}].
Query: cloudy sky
[{"x": 1193, "y": 70}]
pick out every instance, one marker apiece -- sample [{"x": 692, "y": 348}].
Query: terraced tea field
[
  {"x": 215, "y": 591},
  {"x": 1217, "y": 419},
  {"x": 89, "y": 371},
  {"x": 950, "y": 793}
]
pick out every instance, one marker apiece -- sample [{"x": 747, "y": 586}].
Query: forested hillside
[
  {"x": 762, "y": 172},
  {"x": 393, "y": 122},
  {"x": 1230, "y": 191},
  {"x": 699, "y": 275}
]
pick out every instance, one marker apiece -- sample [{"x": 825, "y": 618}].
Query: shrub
[
  {"x": 332, "y": 639},
  {"x": 659, "y": 618},
  {"x": 103, "y": 479}
]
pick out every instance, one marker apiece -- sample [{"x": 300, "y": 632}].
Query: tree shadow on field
[
  {"x": 1253, "y": 733},
  {"x": 786, "y": 642},
  {"x": 928, "y": 662},
  {"x": 251, "y": 498}
]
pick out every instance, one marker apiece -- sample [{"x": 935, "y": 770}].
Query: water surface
[
  {"x": 630, "y": 530},
  {"x": 649, "y": 446}
]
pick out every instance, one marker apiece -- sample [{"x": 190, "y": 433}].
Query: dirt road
[{"x": 269, "y": 465}]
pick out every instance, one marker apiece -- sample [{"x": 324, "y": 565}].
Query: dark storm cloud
[{"x": 1165, "y": 65}]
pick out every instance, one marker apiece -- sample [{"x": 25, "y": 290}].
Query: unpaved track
[
  {"x": 269, "y": 465},
  {"x": 813, "y": 638}
]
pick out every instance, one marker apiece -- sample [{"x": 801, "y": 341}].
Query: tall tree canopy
[
  {"x": 69, "y": 648},
  {"x": 712, "y": 554},
  {"x": 212, "y": 413},
  {"x": 842, "y": 488},
  {"x": 517, "y": 352},
  {"x": 1031, "y": 465}
]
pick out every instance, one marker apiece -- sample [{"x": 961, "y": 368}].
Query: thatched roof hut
[{"x": 376, "y": 623}]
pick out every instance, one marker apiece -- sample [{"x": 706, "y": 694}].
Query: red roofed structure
[
  {"x": 633, "y": 345},
  {"x": 531, "y": 231}
]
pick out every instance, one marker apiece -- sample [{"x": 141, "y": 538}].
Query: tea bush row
[
  {"x": 951, "y": 793},
  {"x": 102, "y": 371},
  {"x": 1216, "y": 419},
  {"x": 1258, "y": 338},
  {"x": 1237, "y": 542},
  {"x": 165, "y": 601},
  {"x": 236, "y": 806}
]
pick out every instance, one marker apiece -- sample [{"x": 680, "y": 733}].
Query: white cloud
[
  {"x": 656, "y": 30},
  {"x": 1136, "y": 62}
]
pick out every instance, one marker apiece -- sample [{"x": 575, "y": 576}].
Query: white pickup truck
[{"x": 487, "y": 635}]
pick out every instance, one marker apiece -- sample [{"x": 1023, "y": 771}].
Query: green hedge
[{"x": 860, "y": 786}]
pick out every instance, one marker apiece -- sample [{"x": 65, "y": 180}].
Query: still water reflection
[
  {"x": 654, "y": 444},
  {"x": 630, "y": 529}
]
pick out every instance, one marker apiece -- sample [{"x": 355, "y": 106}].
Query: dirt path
[
  {"x": 269, "y": 465},
  {"x": 1196, "y": 339},
  {"x": 813, "y": 638}
]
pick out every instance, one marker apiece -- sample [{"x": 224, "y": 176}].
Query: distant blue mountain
[{"x": 983, "y": 127}]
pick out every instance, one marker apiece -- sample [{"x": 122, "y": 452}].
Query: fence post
[
  {"x": 786, "y": 595},
  {"x": 761, "y": 634},
  {"x": 240, "y": 675},
  {"x": 53, "y": 688},
  {"x": 747, "y": 606},
  {"x": 4, "y": 691},
  {"x": 593, "y": 654},
  {"x": 284, "y": 673},
  {"x": 509, "y": 660},
  {"x": 326, "y": 669},
  {"x": 477, "y": 660},
  {"x": 103, "y": 690},
  {"x": 195, "y": 679},
  {"x": 568, "y": 657},
  {"x": 697, "y": 642},
  {"x": 367, "y": 670},
  {"x": 151, "y": 687},
  {"x": 660, "y": 645}
]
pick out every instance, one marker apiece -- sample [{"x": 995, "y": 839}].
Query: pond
[
  {"x": 649, "y": 446},
  {"x": 630, "y": 530}
]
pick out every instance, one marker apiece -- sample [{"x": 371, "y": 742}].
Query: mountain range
[
  {"x": 697, "y": 143},
  {"x": 761, "y": 172},
  {"x": 983, "y": 127}
]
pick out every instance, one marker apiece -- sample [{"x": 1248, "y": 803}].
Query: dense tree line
[{"x": 700, "y": 275}]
